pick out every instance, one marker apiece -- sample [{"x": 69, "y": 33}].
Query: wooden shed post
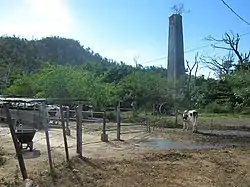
[
  {"x": 118, "y": 121},
  {"x": 64, "y": 134},
  {"x": 17, "y": 147},
  {"x": 104, "y": 136},
  {"x": 45, "y": 126},
  {"x": 79, "y": 130},
  {"x": 67, "y": 122}
]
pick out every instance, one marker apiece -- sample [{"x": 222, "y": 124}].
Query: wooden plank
[
  {"x": 131, "y": 132},
  {"x": 79, "y": 130},
  {"x": 67, "y": 122},
  {"x": 111, "y": 130},
  {"x": 104, "y": 123},
  {"x": 133, "y": 125},
  {"x": 17, "y": 147},
  {"x": 64, "y": 135},
  {"x": 118, "y": 122},
  {"x": 45, "y": 126}
]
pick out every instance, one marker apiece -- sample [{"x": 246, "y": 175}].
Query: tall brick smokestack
[{"x": 176, "y": 67}]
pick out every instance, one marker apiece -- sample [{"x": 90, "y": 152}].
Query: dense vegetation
[{"x": 60, "y": 67}]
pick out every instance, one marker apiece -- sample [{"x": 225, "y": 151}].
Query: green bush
[
  {"x": 133, "y": 119},
  {"x": 111, "y": 116},
  {"x": 166, "y": 123},
  {"x": 218, "y": 108},
  {"x": 245, "y": 111}
]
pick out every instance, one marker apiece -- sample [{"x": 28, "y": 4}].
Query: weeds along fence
[
  {"x": 205, "y": 122},
  {"x": 223, "y": 122},
  {"x": 126, "y": 122}
]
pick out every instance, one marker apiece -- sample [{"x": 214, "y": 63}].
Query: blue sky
[{"x": 121, "y": 29}]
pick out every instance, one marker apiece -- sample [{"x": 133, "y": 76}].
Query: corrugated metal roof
[
  {"x": 29, "y": 100},
  {"x": 17, "y": 99}
]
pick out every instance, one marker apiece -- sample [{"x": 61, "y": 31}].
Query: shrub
[{"x": 218, "y": 108}]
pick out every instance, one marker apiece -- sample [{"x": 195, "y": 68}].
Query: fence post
[
  {"x": 147, "y": 122},
  {"x": 79, "y": 130},
  {"x": 64, "y": 134},
  {"x": 154, "y": 116},
  {"x": 34, "y": 118},
  {"x": 67, "y": 122},
  {"x": 17, "y": 147},
  {"x": 104, "y": 136},
  {"x": 40, "y": 116},
  {"x": 45, "y": 125},
  {"x": 118, "y": 122}
]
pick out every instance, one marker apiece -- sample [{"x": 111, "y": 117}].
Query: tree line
[{"x": 62, "y": 68}]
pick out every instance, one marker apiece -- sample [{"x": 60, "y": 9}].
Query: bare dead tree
[
  {"x": 179, "y": 9},
  {"x": 136, "y": 57},
  {"x": 197, "y": 65},
  {"x": 208, "y": 77},
  {"x": 190, "y": 70},
  {"x": 232, "y": 44},
  {"x": 220, "y": 66},
  {"x": 134, "y": 103}
]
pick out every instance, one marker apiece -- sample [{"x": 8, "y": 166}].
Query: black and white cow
[{"x": 190, "y": 116}]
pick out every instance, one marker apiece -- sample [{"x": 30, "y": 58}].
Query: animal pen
[
  {"x": 56, "y": 146},
  {"x": 23, "y": 126},
  {"x": 25, "y": 122}
]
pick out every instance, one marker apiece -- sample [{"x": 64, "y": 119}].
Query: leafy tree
[
  {"x": 62, "y": 67},
  {"x": 144, "y": 89}
]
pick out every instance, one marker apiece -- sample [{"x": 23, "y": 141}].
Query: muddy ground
[{"x": 133, "y": 162}]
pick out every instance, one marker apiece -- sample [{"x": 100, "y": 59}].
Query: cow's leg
[
  {"x": 183, "y": 125},
  {"x": 194, "y": 127}
]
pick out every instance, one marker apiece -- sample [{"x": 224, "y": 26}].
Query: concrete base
[{"x": 104, "y": 137}]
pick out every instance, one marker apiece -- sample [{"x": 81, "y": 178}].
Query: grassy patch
[
  {"x": 205, "y": 120},
  {"x": 223, "y": 115},
  {"x": 165, "y": 122}
]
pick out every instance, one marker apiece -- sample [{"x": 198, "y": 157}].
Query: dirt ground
[{"x": 132, "y": 162}]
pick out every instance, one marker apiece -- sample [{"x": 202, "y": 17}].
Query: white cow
[{"x": 190, "y": 116}]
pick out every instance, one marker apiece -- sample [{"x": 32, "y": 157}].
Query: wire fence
[
  {"x": 50, "y": 144},
  {"x": 54, "y": 147},
  {"x": 76, "y": 140}
]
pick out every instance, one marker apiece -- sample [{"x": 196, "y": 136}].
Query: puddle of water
[{"x": 168, "y": 144}]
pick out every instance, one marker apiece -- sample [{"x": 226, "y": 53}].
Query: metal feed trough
[{"x": 25, "y": 136}]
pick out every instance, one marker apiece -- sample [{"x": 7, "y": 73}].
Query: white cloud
[{"x": 38, "y": 18}]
